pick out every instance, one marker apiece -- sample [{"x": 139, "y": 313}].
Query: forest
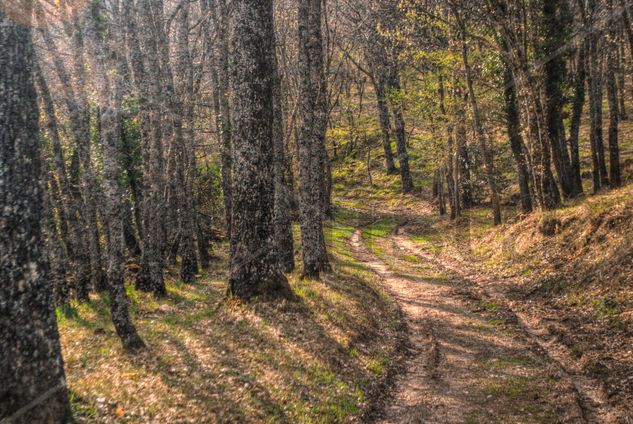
[{"x": 316, "y": 211}]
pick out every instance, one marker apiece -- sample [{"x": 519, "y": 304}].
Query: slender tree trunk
[
  {"x": 627, "y": 21},
  {"x": 513, "y": 122},
  {"x": 621, "y": 73},
  {"x": 33, "y": 386},
  {"x": 150, "y": 276},
  {"x": 615, "y": 176},
  {"x": 384, "y": 120},
  {"x": 463, "y": 157},
  {"x": 111, "y": 68},
  {"x": 577, "y": 109},
  {"x": 186, "y": 145},
  {"x": 554, "y": 28},
  {"x": 452, "y": 176},
  {"x": 600, "y": 177},
  {"x": 394, "y": 88},
  {"x": 311, "y": 140},
  {"x": 481, "y": 135},
  {"x": 284, "y": 242},
  {"x": 254, "y": 268},
  {"x": 219, "y": 13},
  {"x": 53, "y": 244}
]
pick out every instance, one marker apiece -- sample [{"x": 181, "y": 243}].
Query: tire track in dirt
[
  {"x": 462, "y": 368},
  {"x": 592, "y": 399}
]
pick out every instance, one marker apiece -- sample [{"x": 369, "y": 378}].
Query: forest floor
[
  {"x": 470, "y": 362},
  {"x": 325, "y": 358}
]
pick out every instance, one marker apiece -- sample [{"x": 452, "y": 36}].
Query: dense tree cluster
[{"x": 132, "y": 132}]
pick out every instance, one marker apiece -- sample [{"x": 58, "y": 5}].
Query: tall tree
[
  {"x": 33, "y": 383},
  {"x": 615, "y": 174},
  {"x": 111, "y": 66},
  {"x": 254, "y": 269},
  {"x": 312, "y": 138},
  {"x": 185, "y": 146},
  {"x": 150, "y": 276},
  {"x": 555, "y": 24},
  {"x": 480, "y": 131},
  {"x": 513, "y": 123},
  {"x": 284, "y": 243}
]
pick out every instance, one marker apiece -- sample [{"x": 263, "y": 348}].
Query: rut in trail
[
  {"x": 591, "y": 395},
  {"x": 466, "y": 365}
]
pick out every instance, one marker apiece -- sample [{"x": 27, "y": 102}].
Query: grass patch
[{"x": 212, "y": 359}]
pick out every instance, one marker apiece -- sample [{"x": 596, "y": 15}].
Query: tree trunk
[
  {"x": 33, "y": 383},
  {"x": 111, "y": 68},
  {"x": 481, "y": 135},
  {"x": 186, "y": 146},
  {"x": 577, "y": 109},
  {"x": 284, "y": 242},
  {"x": 150, "y": 276},
  {"x": 53, "y": 245},
  {"x": 513, "y": 123},
  {"x": 600, "y": 177},
  {"x": 621, "y": 74},
  {"x": 254, "y": 269},
  {"x": 463, "y": 157},
  {"x": 615, "y": 176},
  {"x": 311, "y": 140},
  {"x": 384, "y": 120},
  {"x": 554, "y": 28},
  {"x": 219, "y": 73},
  {"x": 452, "y": 174},
  {"x": 393, "y": 85}
]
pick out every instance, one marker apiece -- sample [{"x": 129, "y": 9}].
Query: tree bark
[
  {"x": 111, "y": 68},
  {"x": 186, "y": 146},
  {"x": 615, "y": 175},
  {"x": 463, "y": 157},
  {"x": 150, "y": 276},
  {"x": 284, "y": 242},
  {"x": 393, "y": 85},
  {"x": 577, "y": 108},
  {"x": 554, "y": 33},
  {"x": 385, "y": 122},
  {"x": 513, "y": 122},
  {"x": 312, "y": 139},
  {"x": 223, "y": 113},
  {"x": 254, "y": 269},
  {"x": 33, "y": 383},
  {"x": 600, "y": 176}
]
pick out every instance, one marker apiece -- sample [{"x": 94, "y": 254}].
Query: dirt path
[
  {"x": 469, "y": 362},
  {"x": 590, "y": 393}
]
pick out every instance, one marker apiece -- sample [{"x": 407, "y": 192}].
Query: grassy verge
[{"x": 316, "y": 360}]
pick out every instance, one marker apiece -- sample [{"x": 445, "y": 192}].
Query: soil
[{"x": 472, "y": 359}]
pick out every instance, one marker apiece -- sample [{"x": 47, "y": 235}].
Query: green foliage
[{"x": 208, "y": 192}]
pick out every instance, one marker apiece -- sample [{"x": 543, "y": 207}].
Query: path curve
[
  {"x": 592, "y": 398},
  {"x": 462, "y": 368}
]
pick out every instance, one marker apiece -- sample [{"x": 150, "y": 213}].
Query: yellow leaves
[{"x": 119, "y": 411}]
